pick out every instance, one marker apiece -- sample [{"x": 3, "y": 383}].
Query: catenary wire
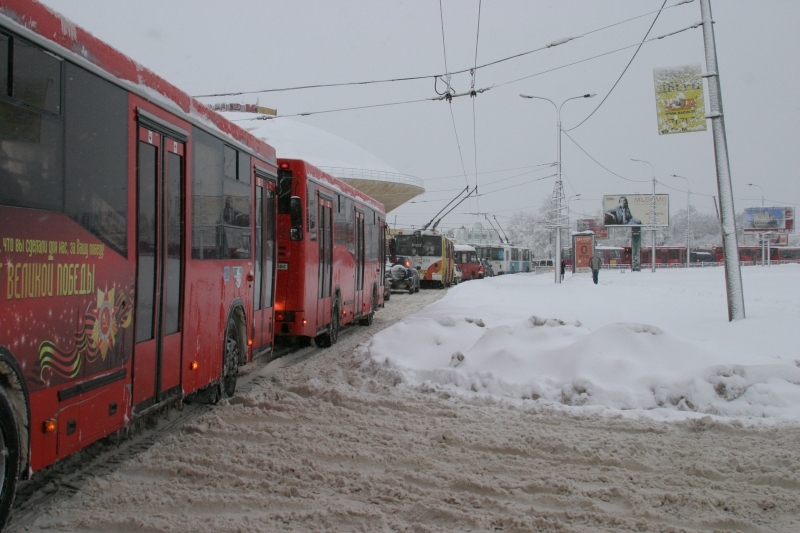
[
  {"x": 428, "y": 76},
  {"x": 625, "y": 69}
]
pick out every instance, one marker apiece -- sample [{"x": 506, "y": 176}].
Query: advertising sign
[
  {"x": 680, "y": 106},
  {"x": 583, "y": 245},
  {"x": 591, "y": 224},
  {"x": 634, "y": 210},
  {"x": 768, "y": 219}
]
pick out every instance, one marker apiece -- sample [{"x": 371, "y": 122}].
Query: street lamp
[
  {"x": 762, "y": 192},
  {"x": 760, "y": 236},
  {"x": 652, "y": 213},
  {"x": 558, "y": 192},
  {"x": 688, "y": 195}
]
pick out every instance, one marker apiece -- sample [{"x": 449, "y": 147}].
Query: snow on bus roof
[
  {"x": 464, "y": 248},
  {"x": 41, "y": 24},
  {"x": 337, "y": 185}
]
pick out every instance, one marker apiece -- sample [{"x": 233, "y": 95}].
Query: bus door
[
  {"x": 264, "y": 264},
  {"x": 159, "y": 268},
  {"x": 325, "y": 244},
  {"x": 359, "y": 270}
]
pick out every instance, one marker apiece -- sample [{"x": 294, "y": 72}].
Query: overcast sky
[{"x": 207, "y": 46}]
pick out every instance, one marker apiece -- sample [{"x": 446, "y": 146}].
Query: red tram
[{"x": 330, "y": 250}]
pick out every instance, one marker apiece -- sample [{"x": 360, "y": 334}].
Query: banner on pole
[{"x": 680, "y": 104}]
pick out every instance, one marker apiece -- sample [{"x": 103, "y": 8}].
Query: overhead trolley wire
[
  {"x": 434, "y": 76},
  {"x": 448, "y": 95},
  {"x": 473, "y": 96},
  {"x": 625, "y": 69}
]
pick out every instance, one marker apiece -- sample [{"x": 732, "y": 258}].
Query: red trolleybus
[
  {"x": 432, "y": 252},
  {"x": 137, "y": 243},
  {"x": 330, "y": 254}
]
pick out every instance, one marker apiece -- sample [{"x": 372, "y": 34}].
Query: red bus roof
[
  {"x": 334, "y": 183},
  {"x": 82, "y": 47}
]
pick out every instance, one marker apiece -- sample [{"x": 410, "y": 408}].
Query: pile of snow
[{"x": 657, "y": 344}]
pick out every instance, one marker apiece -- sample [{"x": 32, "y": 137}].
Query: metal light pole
[
  {"x": 652, "y": 214},
  {"x": 688, "y": 196},
  {"x": 762, "y": 191},
  {"x": 760, "y": 236},
  {"x": 569, "y": 222},
  {"x": 733, "y": 271},
  {"x": 558, "y": 191}
]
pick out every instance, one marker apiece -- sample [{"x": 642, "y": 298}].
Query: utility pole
[
  {"x": 557, "y": 203},
  {"x": 730, "y": 245}
]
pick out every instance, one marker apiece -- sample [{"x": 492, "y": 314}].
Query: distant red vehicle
[
  {"x": 330, "y": 254},
  {"x": 467, "y": 260},
  {"x": 752, "y": 254}
]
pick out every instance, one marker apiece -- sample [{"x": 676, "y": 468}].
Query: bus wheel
[
  {"x": 230, "y": 362},
  {"x": 367, "y": 320},
  {"x": 9, "y": 462},
  {"x": 330, "y": 337}
]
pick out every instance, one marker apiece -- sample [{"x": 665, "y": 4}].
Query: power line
[
  {"x": 448, "y": 92},
  {"x": 599, "y": 163},
  {"x": 625, "y": 69},
  {"x": 434, "y": 76},
  {"x": 473, "y": 97},
  {"x": 308, "y": 113}
]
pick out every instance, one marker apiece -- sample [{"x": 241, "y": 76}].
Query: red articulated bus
[
  {"x": 138, "y": 243},
  {"x": 330, "y": 254}
]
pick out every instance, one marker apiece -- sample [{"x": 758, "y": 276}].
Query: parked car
[
  {"x": 401, "y": 276},
  {"x": 458, "y": 277},
  {"x": 488, "y": 271}
]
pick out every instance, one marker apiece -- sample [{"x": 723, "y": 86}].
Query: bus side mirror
[{"x": 296, "y": 214}]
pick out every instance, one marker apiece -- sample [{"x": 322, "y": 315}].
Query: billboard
[
  {"x": 680, "y": 105},
  {"x": 634, "y": 209},
  {"x": 768, "y": 219},
  {"x": 591, "y": 224}
]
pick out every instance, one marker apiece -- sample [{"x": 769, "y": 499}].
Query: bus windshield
[
  {"x": 497, "y": 254},
  {"x": 430, "y": 245}
]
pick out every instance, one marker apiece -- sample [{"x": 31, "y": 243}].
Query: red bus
[
  {"x": 752, "y": 254},
  {"x": 330, "y": 254},
  {"x": 138, "y": 240},
  {"x": 467, "y": 261}
]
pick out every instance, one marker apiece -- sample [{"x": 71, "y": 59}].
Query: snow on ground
[
  {"x": 659, "y": 343},
  {"x": 381, "y": 433}
]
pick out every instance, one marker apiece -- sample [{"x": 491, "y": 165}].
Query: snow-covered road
[{"x": 329, "y": 442}]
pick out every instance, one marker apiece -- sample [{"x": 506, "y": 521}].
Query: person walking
[
  {"x": 595, "y": 263},
  {"x": 563, "y": 269}
]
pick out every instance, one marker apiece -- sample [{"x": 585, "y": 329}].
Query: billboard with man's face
[{"x": 635, "y": 209}]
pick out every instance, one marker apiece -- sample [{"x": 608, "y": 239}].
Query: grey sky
[{"x": 206, "y": 46}]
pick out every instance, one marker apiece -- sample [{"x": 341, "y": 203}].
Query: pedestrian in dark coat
[
  {"x": 595, "y": 263},
  {"x": 563, "y": 269}
]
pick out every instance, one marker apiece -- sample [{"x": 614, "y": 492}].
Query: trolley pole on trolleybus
[{"x": 557, "y": 204}]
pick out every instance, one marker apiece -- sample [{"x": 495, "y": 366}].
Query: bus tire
[
  {"x": 330, "y": 337},
  {"x": 9, "y": 462},
  {"x": 230, "y": 360},
  {"x": 367, "y": 320}
]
